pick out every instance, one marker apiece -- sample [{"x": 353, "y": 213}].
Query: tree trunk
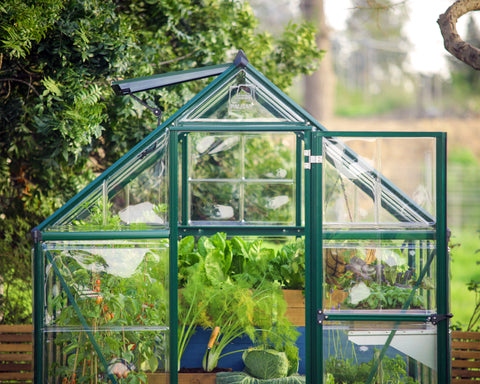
[
  {"x": 453, "y": 43},
  {"x": 319, "y": 91}
]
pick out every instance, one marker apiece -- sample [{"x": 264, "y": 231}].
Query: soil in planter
[{"x": 200, "y": 370}]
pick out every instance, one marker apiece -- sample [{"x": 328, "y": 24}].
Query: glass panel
[
  {"x": 247, "y": 178},
  {"x": 379, "y": 352},
  {"x": 242, "y": 98},
  {"x": 381, "y": 181},
  {"x": 212, "y": 201},
  {"x": 88, "y": 210},
  {"x": 236, "y": 283},
  {"x": 106, "y": 309},
  {"x": 215, "y": 156},
  {"x": 135, "y": 196},
  {"x": 270, "y": 156},
  {"x": 270, "y": 203},
  {"x": 391, "y": 275}
]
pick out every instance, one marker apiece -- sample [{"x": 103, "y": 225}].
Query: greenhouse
[{"x": 243, "y": 242}]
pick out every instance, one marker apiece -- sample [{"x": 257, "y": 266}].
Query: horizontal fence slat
[
  {"x": 22, "y": 328},
  {"x": 469, "y": 345},
  {"x": 16, "y": 357},
  {"x": 466, "y": 364},
  {"x": 15, "y": 347},
  {"x": 465, "y": 335},
  {"x": 464, "y": 373},
  {"x": 466, "y": 355},
  {"x": 461, "y": 381},
  {"x": 16, "y": 375},
  {"x": 16, "y": 338},
  {"x": 16, "y": 367}
]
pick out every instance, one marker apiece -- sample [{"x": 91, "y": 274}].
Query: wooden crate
[
  {"x": 16, "y": 353},
  {"x": 465, "y": 357}
]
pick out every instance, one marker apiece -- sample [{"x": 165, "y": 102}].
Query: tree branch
[
  {"x": 176, "y": 59},
  {"x": 23, "y": 82},
  {"x": 453, "y": 43}
]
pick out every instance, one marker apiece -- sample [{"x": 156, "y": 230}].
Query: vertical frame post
[
  {"x": 173, "y": 247},
  {"x": 185, "y": 203},
  {"x": 38, "y": 264},
  {"x": 443, "y": 291},
  {"x": 298, "y": 181},
  {"x": 313, "y": 261}
]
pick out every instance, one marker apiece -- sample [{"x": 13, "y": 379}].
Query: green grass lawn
[{"x": 464, "y": 268}]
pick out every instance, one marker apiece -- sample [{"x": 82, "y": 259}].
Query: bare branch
[
  {"x": 176, "y": 59},
  {"x": 453, "y": 43},
  {"x": 23, "y": 82}
]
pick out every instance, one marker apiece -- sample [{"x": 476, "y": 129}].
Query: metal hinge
[
  {"x": 311, "y": 159},
  {"x": 436, "y": 318}
]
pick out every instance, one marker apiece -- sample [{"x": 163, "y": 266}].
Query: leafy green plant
[
  {"x": 474, "y": 286},
  {"x": 241, "y": 303},
  {"x": 387, "y": 297},
  {"x": 245, "y": 378},
  {"x": 265, "y": 363},
  {"x": 391, "y": 370},
  {"x": 108, "y": 307},
  {"x": 374, "y": 283},
  {"x": 288, "y": 266},
  {"x": 249, "y": 261}
]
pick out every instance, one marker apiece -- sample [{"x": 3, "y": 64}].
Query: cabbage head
[
  {"x": 245, "y": 378},
  {"x": 265, "y": 363}
]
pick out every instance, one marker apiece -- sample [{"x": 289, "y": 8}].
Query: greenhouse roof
[{"x": 240, "y": 99}]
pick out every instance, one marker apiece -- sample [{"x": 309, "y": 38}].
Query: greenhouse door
[{"x": 377, "y": 307}]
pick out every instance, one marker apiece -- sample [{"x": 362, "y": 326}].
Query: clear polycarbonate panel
[
  {"x": 106, "y": 309},
  {"x": 379, "y": 352},
  {"x": 242, "y": 97},
  {"x": 379, "y": 181},
  {"x": 138, "y": 196},
  {"x": 214, "y": 201},
  {"x": 89, "y": 210},
  {"x": 133, "y": 198},
  {"x": 391, "y": 276},
  {"x": 242, "y": 177},
  {"x": 270, "y": 202},
  {"x": 215, "y": 156}
]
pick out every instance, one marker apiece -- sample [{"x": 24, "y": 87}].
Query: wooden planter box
[
  {"x": 183, "y": 378},
  {"x": 295, "y": 306}
]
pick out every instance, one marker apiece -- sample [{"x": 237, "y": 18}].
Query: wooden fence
[
  {"x": 465, "y": 357},
  {"x": 16, "y": 353}
]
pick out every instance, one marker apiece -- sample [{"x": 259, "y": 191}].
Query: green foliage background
[{"x": 61, "y": 124}]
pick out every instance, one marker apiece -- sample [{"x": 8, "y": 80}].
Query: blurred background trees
[{"x": 61, "y": 124}]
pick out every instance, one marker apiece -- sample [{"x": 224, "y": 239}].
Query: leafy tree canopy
[{"x": 61, "y": 124}]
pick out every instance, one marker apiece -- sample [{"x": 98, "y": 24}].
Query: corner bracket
[
  {"x": 321, "y": 316},
  {"x": 36, "y": 235}
]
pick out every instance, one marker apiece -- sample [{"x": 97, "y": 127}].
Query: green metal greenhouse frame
[{"x": 308, "y": 220}]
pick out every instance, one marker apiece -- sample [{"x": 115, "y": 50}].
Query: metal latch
[
  {"x": 436, "y": 318},
  {"x": 311, "y": 159}
]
